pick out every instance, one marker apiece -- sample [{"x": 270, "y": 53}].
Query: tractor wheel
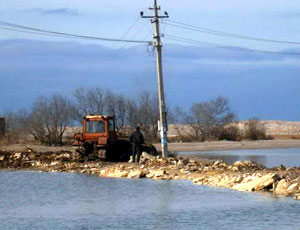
[
  {"x": 150, "y": 149},
  {"x": 119, "y": 151}
]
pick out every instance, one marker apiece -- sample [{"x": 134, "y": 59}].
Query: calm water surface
[
  {"x": 268, "y": 157},
  {"x": 33, "y": 200}
]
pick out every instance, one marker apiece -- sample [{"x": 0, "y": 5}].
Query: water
[
  {"x": 268, "y": 157},
  {"x": 33, "y": 200}
]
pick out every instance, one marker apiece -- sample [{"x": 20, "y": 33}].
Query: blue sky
[{"x": 261, "y": 85}]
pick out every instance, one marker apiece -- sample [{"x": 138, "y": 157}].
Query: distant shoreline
[
  {"x": 182, "y": 147},
  {"x": 232, "y": 145}
]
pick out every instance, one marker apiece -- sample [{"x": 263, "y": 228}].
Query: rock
[
  {"x": 297, "y": 196},
  {"x": 29, "y": 149},
  {"x": 238, "y": 179},
  {"x": 18, "y": 156},
  {"x": 225, "y": 181},
  {"x": 238, "y": 164},
  {"x": 282, "y": 188},
  {"x": 147, "y": 156},
  {"x": 119, "y": 173},
  {"x": 265, "y": 181},
  {"x": 32, "y": 156},
  {"x": 102, "y": 172},
  {"x": 216, "y": 163},
  {"x": 37, "y": 164},
  {"x": 243, "y": 165},
  {"x": 258, "y": 184},
  {"x": 180, "y": 163},
  {"x": 198, "y": 180},
  {"x": 235, "y": 169},
  {"x": 293, "y": 188},
  {"x": 122, "y": 167},
  {"x": 156, "y": 174},
  {"x": 136, "y": 174}
]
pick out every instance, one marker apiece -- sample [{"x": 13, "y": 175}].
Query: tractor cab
[{"x": 99, "y": 129}]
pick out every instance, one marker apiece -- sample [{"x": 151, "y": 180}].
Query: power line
[
  {"x": 32, "y": 32},
  {"x": 131, "y": 27},
  {"x": 225, "y": 34},
  {"x": 127, "y": 31},
  {"x": 139, "y": 30},
  {"x": 26, "y": 29},
  {"x": 191, "y": 41}
]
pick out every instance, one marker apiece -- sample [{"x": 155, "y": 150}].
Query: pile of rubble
[
  {"x": 30, "y": 158},
  {"x": 241, "y": 175}
]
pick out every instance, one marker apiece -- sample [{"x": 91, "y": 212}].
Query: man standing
[{"x": 136, "y": 139}]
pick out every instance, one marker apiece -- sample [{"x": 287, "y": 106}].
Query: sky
[{"x": 262, "y": 85}]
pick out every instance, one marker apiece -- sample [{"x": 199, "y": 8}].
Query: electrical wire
[
  {"x": 120, "y": 46},
  {"x": 224, "y": 34},
  {"x": 144, "y": 25},
  {"x": 148, "y": 34},
  {"x": 164, "y": 27},
  {"x": 191, "y": 41},
  {"x": 26, "y": 29},
  {"x": 32, "y": 32},
  {"x": 131, "y": 27}
]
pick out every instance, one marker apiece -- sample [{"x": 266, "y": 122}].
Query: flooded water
[
  {"x": 268, "y": 157},
  {"x": 33, "y": 200}
]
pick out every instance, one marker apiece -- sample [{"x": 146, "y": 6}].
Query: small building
[{"x": 2, "y": 127}]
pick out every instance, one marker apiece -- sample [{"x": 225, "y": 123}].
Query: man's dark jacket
[{"x": 137, "y": 138}]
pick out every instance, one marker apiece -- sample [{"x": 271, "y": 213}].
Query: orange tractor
[{"x": 100, "y": 140}]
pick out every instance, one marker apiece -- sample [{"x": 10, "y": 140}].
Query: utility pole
[{"x": 162, "y": 125}]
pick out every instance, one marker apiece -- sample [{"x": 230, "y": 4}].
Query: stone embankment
[{"x": 243, "y": 176}]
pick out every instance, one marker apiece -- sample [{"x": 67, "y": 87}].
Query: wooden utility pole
[{"x": 163, "y": 125}]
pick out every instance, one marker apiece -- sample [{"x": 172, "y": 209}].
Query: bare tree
[
  {"x": 255, "y": 130},
  {"x": 15, "y": 126},
  {"x": 49, "y": 119},
  {"x": 209, "y": 118},
  {"x": 132, "y": 116},
  {"x": 117, "y": 106},
  {"x": 90, "y": 101},
  {"x": 98, "y": 101},
  {"x": 148, "y": 114}
]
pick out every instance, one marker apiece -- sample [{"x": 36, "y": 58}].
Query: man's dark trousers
[{"x": 136, "y": 152}]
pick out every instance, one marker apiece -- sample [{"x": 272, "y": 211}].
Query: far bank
[
  {"x": 232, "y": 145},
  {"x": 181, "y": 147}
]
